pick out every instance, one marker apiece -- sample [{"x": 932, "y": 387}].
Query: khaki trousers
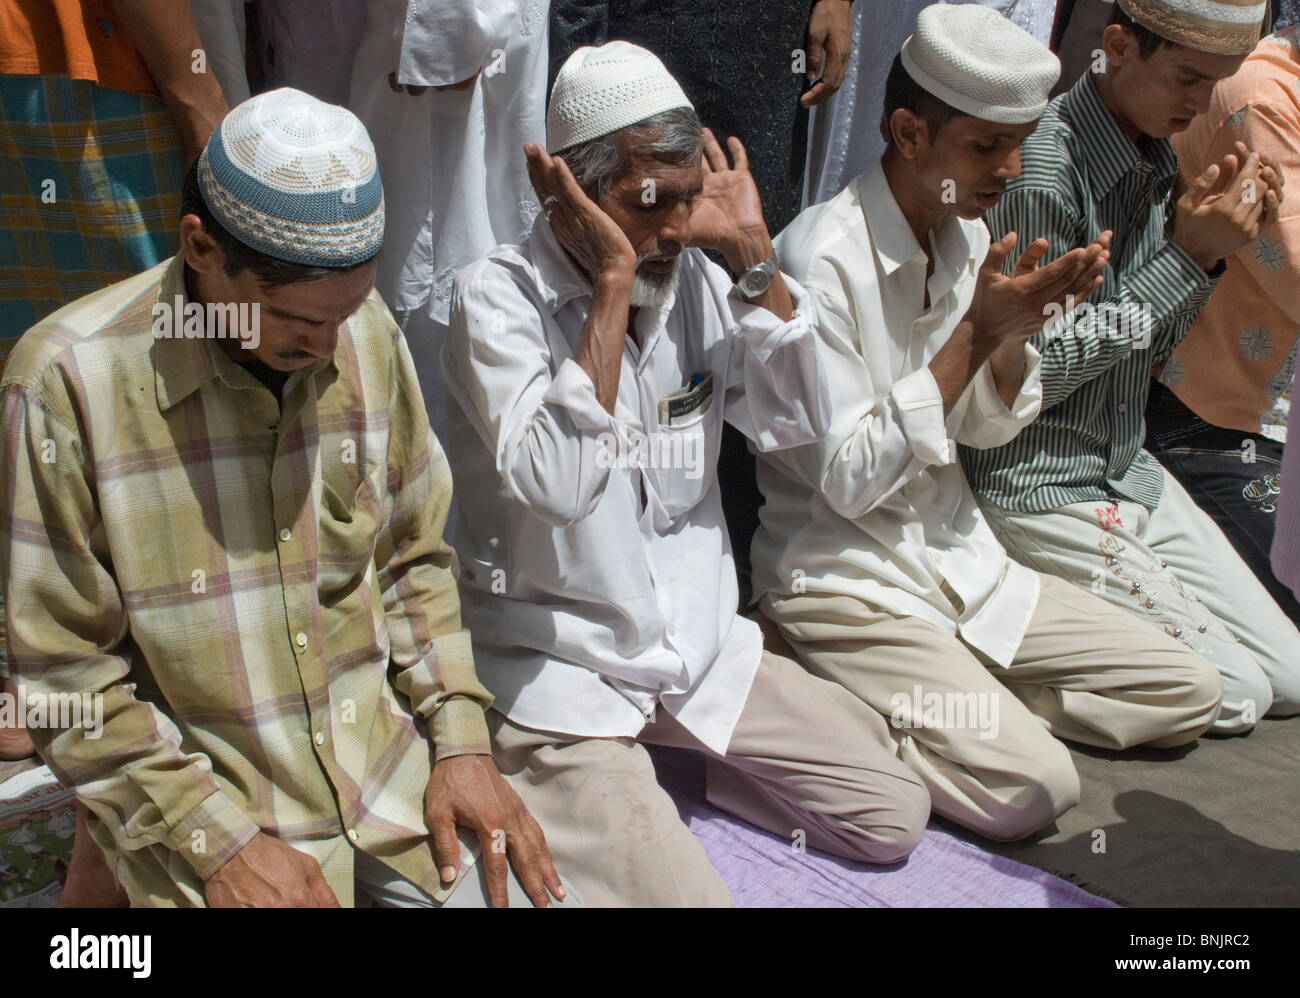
[
  {"x": 982, "y": 737},
  {"x": 807, "y": 762}
]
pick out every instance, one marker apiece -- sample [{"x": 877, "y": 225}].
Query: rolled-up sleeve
[
  {"x": 988, "y": 421},
  {"x": 1273, "y": 259},
  {"x": 777, "y": 393},
  {"x": 537, "y": 413}
]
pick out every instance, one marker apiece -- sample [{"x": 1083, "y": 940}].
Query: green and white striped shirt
[{"x": 1080, "y": 176}]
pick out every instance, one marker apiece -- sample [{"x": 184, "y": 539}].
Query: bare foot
[
  {"x": 14, "y": 742},
  {"x": 90, "y": 882}
]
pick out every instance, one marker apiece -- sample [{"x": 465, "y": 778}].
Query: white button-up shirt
[
  {"x": 879, "y": 508},
  {"x": 597, "y": 578}
]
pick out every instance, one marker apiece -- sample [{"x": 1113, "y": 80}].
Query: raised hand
[
  {"x": 727, "y": 215},
  {"x": 591, "y": 236},
  {"x": 1225, "y": 207},
  {"x": 1015, "y": 307}
]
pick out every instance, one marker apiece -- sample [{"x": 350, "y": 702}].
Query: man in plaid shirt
[{"x": 233, "y": 545}]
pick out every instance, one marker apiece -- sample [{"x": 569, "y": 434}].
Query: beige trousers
[
  {"x": 982, "y": 737},
  {"x": 807, "y": 762}
]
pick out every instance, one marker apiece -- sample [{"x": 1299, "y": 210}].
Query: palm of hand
[
  {"x": 728, "y": 203},
  {"x": 1002, "y": 301}
]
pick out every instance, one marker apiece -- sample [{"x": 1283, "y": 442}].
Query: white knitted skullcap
[
  {"x": 602, "y": 89},
  {"x": 296, "y": 179},
  {"x": 974, "y": 59}
]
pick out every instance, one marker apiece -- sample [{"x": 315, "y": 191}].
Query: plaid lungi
[{"x": 90, "y": 183}]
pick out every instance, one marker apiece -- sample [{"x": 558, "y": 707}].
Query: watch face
[{"x": 756, "y": 281}]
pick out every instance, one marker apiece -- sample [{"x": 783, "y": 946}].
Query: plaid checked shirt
[{"x": 261, "y": 594}]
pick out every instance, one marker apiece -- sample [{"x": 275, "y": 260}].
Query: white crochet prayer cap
[
  {"x": 296, "y": 179},
  {"x": 602, "y": 89},
  {"x": 974, "y": 59}
]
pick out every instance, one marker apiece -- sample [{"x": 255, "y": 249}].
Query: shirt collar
[
  {"x": 895, "y": 244},
  {"x": 892, "y": 238},
  {"x": 182, "y": 366},
  {"x": 1107, "y": 151},
  {"x": 558, "y": 278}
]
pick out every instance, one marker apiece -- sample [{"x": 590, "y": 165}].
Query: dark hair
[
  {"x": 1148, "y": 41},
  {"x": 901, "y": 91},
  {"x": 270, "y": 271}
]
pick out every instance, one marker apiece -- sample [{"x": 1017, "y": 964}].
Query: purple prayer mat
[{"x": 764, "y": 871}]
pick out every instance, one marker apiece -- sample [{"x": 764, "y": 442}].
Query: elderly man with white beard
[{"x": 597, "y": 576}]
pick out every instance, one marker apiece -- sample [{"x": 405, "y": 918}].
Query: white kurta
[
  {"x": 598, "y": 581},
  {"x": 452, "y": 162},
  {"x": 879, "y": 508}
]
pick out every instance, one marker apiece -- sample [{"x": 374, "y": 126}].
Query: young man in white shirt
[
  {"x": 593, "y": 367},
  {"x": 873, "y": 557}
]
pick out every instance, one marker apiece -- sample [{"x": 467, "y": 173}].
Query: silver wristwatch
[{"x": 757, "y": 278}]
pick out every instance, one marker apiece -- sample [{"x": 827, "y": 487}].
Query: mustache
[{"x": 667, "y": 251}]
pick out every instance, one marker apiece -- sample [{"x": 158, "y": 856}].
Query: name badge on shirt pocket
[{"x": 689, "y": 403}]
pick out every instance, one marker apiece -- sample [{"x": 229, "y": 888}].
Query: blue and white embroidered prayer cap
[{"x": 296, "y": 179}]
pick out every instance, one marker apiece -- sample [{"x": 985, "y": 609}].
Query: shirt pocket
[
  {"x": 679, "y": 460},
  {"x": 346, "y": 538}
]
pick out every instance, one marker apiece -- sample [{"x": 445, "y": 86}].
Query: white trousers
[{"x": 1173, "y": 567}]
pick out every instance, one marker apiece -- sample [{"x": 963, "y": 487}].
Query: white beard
[{"x": 657, "y": 291}]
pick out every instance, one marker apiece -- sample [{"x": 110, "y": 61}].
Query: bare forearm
[
  {"x": 1008, "y": 365},
  {"x": 957, "y": 361},
  {"x": 600, "y": 350},
  {"x": 163, "y": 31},
  {"x": 751, "y": 249}
]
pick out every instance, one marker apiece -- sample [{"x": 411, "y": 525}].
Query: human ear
[{"x": 909, "y": 131}]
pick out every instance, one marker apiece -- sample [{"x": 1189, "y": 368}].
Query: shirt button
[
  {"x": 672, "y": 630},
  {"x": 1122, "y": 408},
  {"x": 352, "y": 834},
  {"x": 301, "y": 639},
  {"x": 320, "y": 738},
  {"x": 284, "y": 533}
]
